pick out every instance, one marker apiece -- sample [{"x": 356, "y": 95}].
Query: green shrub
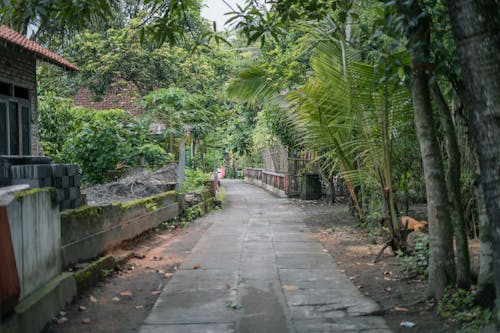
[
  {"x": 458, "y": 304},
  {"x": 104, "y": 140},
  {"x": 55, "y": 123},
  {"x": 195, "y": 180},
  {"x": 154, "y": 154}
]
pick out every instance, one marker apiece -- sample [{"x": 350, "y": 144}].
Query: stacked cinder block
[
  {"x": 67, "y": 183},
  {"x": 64, "y": 177},
  {"x": 35, "y": 175}
]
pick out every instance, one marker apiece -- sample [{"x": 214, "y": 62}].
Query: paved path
[{"x": 260, "y": 271}]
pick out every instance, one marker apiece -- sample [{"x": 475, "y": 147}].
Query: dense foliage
[{"x": 399, "y": 98}]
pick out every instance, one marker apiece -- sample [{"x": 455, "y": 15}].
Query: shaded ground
[
  {"x": 401, "y": 299},
  {"x": 122, "y": 302},
  {"x": 259, "y": 269}
]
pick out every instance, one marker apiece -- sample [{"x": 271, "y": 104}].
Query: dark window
[
  {"x": 3, "y": 128},
  {"x": 25, "y": 125},
  {"x": 5, "y": 88},
  {"x": 14, "y": 128},
  {"x": 21, "y": 92}
]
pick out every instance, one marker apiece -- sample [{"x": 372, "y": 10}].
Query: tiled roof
[
  {"x": 15, "y": 38},
  {"x": 121, "y": 95}
]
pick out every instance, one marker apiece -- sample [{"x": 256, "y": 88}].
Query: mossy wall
[{"x": 89, "y": 231}]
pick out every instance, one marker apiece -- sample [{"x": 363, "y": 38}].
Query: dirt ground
[
  {"x": 402, "y": 299},
  {"x": 122, "y": 302}
]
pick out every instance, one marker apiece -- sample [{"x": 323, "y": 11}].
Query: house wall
[{"x": 19, "y": 68}]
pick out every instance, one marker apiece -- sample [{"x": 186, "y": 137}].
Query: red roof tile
[{"x": 17, "y": 39}]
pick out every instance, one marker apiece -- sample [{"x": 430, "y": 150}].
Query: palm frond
[{"x": 251, "y": 85}]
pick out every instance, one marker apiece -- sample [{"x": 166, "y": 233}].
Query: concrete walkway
[{"x": 260, "y": 270}]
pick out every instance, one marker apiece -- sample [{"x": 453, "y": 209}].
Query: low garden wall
[
  {"x": 45, "y": 240},
  {"x": 90, "y": 231}
]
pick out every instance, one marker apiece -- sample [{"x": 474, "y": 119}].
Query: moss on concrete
[
  {"x": 33, "y": 312},
  {"x": 151, "y": 203},
  {"x": 84, "y": 211},
  {"x": 22, "y": 194},
  {"x": 93, "y": 272}
]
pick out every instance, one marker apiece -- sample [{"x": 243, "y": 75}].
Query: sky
[{"x": 215, "y": 9}]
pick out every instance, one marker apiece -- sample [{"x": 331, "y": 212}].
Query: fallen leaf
[
  {"x": 167, "y": 275},
  {"x": 126, "y": 293},
  {"x": 387, "y": 278},
  {"x": 161, "y": 271},
  {"x": 93, "y": 299},
  {"x": 387, "y": 273},
  {"x": 388, "y": 289},
  {"x": 360, "y": 286},
  {"x": 156, "y": 292},
  {"x": 325, "y": 250},
  {"x": 115, "y": 299},
  {"x": 85, "y": 320},
  {"x": 400, "y": 309},
  {"x": 196, "y": 266},
  {"x": 287, "y": 287},
  {"x": 82, "y": 308}
]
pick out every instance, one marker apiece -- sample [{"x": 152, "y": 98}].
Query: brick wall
[{"x": 19, "y": 68}]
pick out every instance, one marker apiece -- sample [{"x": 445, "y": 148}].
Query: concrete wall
[
  {"x": 92, "y": 230},
  {"x": 267, "y": 187},
  {"x": 19, "y": 68},
  {"x": 36, "y": 235}
]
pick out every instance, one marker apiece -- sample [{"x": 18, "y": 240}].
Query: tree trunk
[
  {"x": 181, "y": 167},
  {"x": 330, "y": 190},
  {"x": 441, "y": 259},
  {"x": 485, "y": 295},
  {"x": 476, "y": 28},
  {"x": 454, "y": 190},
  {"x": 387, "y": 172},
  {"x": 193, "y": 152}
]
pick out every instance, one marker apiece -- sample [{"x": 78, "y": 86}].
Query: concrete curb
[
  {"x": 91, "y": 274},
  {"x": 33, "y": 313}
]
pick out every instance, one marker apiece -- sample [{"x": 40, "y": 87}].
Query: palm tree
[{"x": 350, "y": 111}]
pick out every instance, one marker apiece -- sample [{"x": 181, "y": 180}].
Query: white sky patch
[{"x": 214, "y": 10}]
